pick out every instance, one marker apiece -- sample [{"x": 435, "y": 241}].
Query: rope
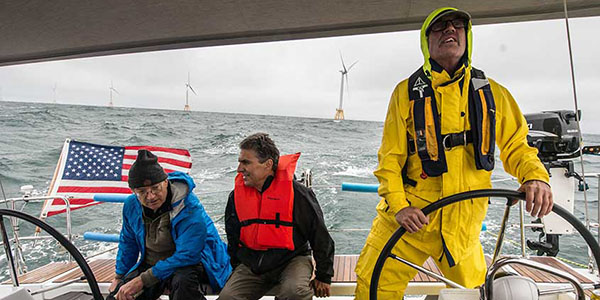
[{"x": 572, "y": 262}]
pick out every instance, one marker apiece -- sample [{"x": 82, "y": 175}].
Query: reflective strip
[
  {"x": 485, "y": 126},
  {"x": 430, "y": 136},
  {"x": 411, "y": 113}
]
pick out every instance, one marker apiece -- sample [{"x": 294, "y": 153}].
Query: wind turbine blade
[
  {"x": 352, "y": 65},
  {"x": 116, "y": 91},
  {"x": 191, "y": 88},
  {"x": 343, "y": 65}
]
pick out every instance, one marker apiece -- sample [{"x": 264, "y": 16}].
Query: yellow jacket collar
[{"x": 440, "y": 77}]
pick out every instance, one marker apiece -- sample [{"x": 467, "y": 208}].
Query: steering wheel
[
  {"x": 85, "y": 268},
  {"x": 502, "y": 193}
]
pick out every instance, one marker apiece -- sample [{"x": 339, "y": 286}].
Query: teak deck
[{"x": 104, "y": 270}]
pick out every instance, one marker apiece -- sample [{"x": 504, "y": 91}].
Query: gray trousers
[{"x": 291, "y": 281}]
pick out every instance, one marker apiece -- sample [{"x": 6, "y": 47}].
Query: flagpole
[{"x": 48, "y": 202}]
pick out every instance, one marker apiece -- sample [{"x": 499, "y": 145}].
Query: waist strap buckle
[{"x": 452, "y": 140}]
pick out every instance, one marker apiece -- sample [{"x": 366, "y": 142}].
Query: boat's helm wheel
[
  {"x": 77, "y": 256},
  {"x": 523, "y": 284}
]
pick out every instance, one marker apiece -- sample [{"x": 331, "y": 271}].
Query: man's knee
[
  {"x": 291, "y": 289},
  {"x": 185, "y": 278}
]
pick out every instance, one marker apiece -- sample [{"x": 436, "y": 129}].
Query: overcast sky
[{"x": 302, "y": 78}]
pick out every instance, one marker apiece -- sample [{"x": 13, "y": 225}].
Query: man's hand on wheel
[
  {"x": 538, "y": 198},
  {"x": 412, "y": 219}
]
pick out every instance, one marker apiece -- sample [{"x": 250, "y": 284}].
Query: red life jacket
[{"x": 267, "y": 219}]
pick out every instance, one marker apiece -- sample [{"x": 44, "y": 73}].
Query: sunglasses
[{"x": 441, "y": 25}]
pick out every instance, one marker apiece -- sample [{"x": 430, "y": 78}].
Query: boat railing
[{"x": 14, "y": 222}]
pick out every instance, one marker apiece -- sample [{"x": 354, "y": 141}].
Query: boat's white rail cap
[{"x": 18, "y": 294}]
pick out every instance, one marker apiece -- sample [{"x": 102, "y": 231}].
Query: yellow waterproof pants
[{"x": 469, "y": 271}]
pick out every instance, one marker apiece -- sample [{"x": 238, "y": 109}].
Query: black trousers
[{"x": 183, "y": 284}]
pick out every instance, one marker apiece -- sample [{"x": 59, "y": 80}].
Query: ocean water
[{"x": 32, "y": 135}]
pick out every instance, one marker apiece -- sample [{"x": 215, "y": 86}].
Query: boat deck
[{"x": 343, "y": 281}]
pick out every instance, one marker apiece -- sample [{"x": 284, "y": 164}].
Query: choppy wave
[{"x": 351, "y": 171}]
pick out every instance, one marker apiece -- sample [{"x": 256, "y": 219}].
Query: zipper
[{"x": 445, "y": 250}]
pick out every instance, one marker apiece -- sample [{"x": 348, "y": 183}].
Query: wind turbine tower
[
  {"x": 54, "y": 92},
  {"x": 111, "y": 89},
  {"x": 339, "y": 112},
  {"x": 188, "y": 87}
]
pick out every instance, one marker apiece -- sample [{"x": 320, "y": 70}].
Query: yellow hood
[{"x": 425, "y": 44}]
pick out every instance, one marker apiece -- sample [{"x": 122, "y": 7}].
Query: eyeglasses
[
  {"x": 143, "y": 193},
  {"x": 441, "y": 25}
]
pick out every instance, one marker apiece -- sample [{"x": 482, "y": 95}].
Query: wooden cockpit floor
[{"x": 104, "y": 270}]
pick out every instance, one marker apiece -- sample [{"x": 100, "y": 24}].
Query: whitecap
[{"x": 364, "y": 172}]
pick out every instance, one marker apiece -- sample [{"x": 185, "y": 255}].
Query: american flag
[{"x": 85, "y": 169}]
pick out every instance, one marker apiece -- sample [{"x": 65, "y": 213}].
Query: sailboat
[{"x": 118, "y": 30}]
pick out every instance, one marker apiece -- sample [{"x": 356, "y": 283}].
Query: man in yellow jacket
[{"x": 439, "y": 136}]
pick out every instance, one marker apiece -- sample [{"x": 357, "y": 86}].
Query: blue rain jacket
[{"x": 195, "y": 236}]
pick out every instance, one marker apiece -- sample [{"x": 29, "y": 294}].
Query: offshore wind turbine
[
  {"x": 112, "y": 89},
  {"x": 339, "y": 112},
  {"x": 188, "y": 87}
]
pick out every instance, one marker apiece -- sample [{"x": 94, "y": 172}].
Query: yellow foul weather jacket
[{"x": 459, "y": 224}]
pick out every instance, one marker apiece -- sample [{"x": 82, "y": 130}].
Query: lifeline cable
[
  {"x": 3, "y": 194},
  {"x": 576, "y": 103},
  {"x": 559, "y": 258}
]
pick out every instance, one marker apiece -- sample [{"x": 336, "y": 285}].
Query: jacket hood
[
  {"x": 425, "y": 45},
  {"x": 180, "y": 176},
  {"x": 182, "y": 184}
]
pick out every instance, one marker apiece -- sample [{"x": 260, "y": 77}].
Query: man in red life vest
[{"x": 273, "y": 223}]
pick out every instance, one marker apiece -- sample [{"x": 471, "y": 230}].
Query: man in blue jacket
[{"x": 165, "y": 225}]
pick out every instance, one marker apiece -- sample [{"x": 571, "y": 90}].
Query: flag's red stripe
[
  {"x": 172, "y": 161},
  {"x": 152, "y": 148},
  {"x": 92, "y": 189},
  {"x": 175, "y": 162},
  {"x": 127, "y": 167},
  {"x": 72, "y": 201},
  {"x": 52, "y": 213}
]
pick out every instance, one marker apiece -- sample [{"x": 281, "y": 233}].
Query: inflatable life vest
[
  {"x": 267, "y": 219},
  {"x": 428, "y": 141}
]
